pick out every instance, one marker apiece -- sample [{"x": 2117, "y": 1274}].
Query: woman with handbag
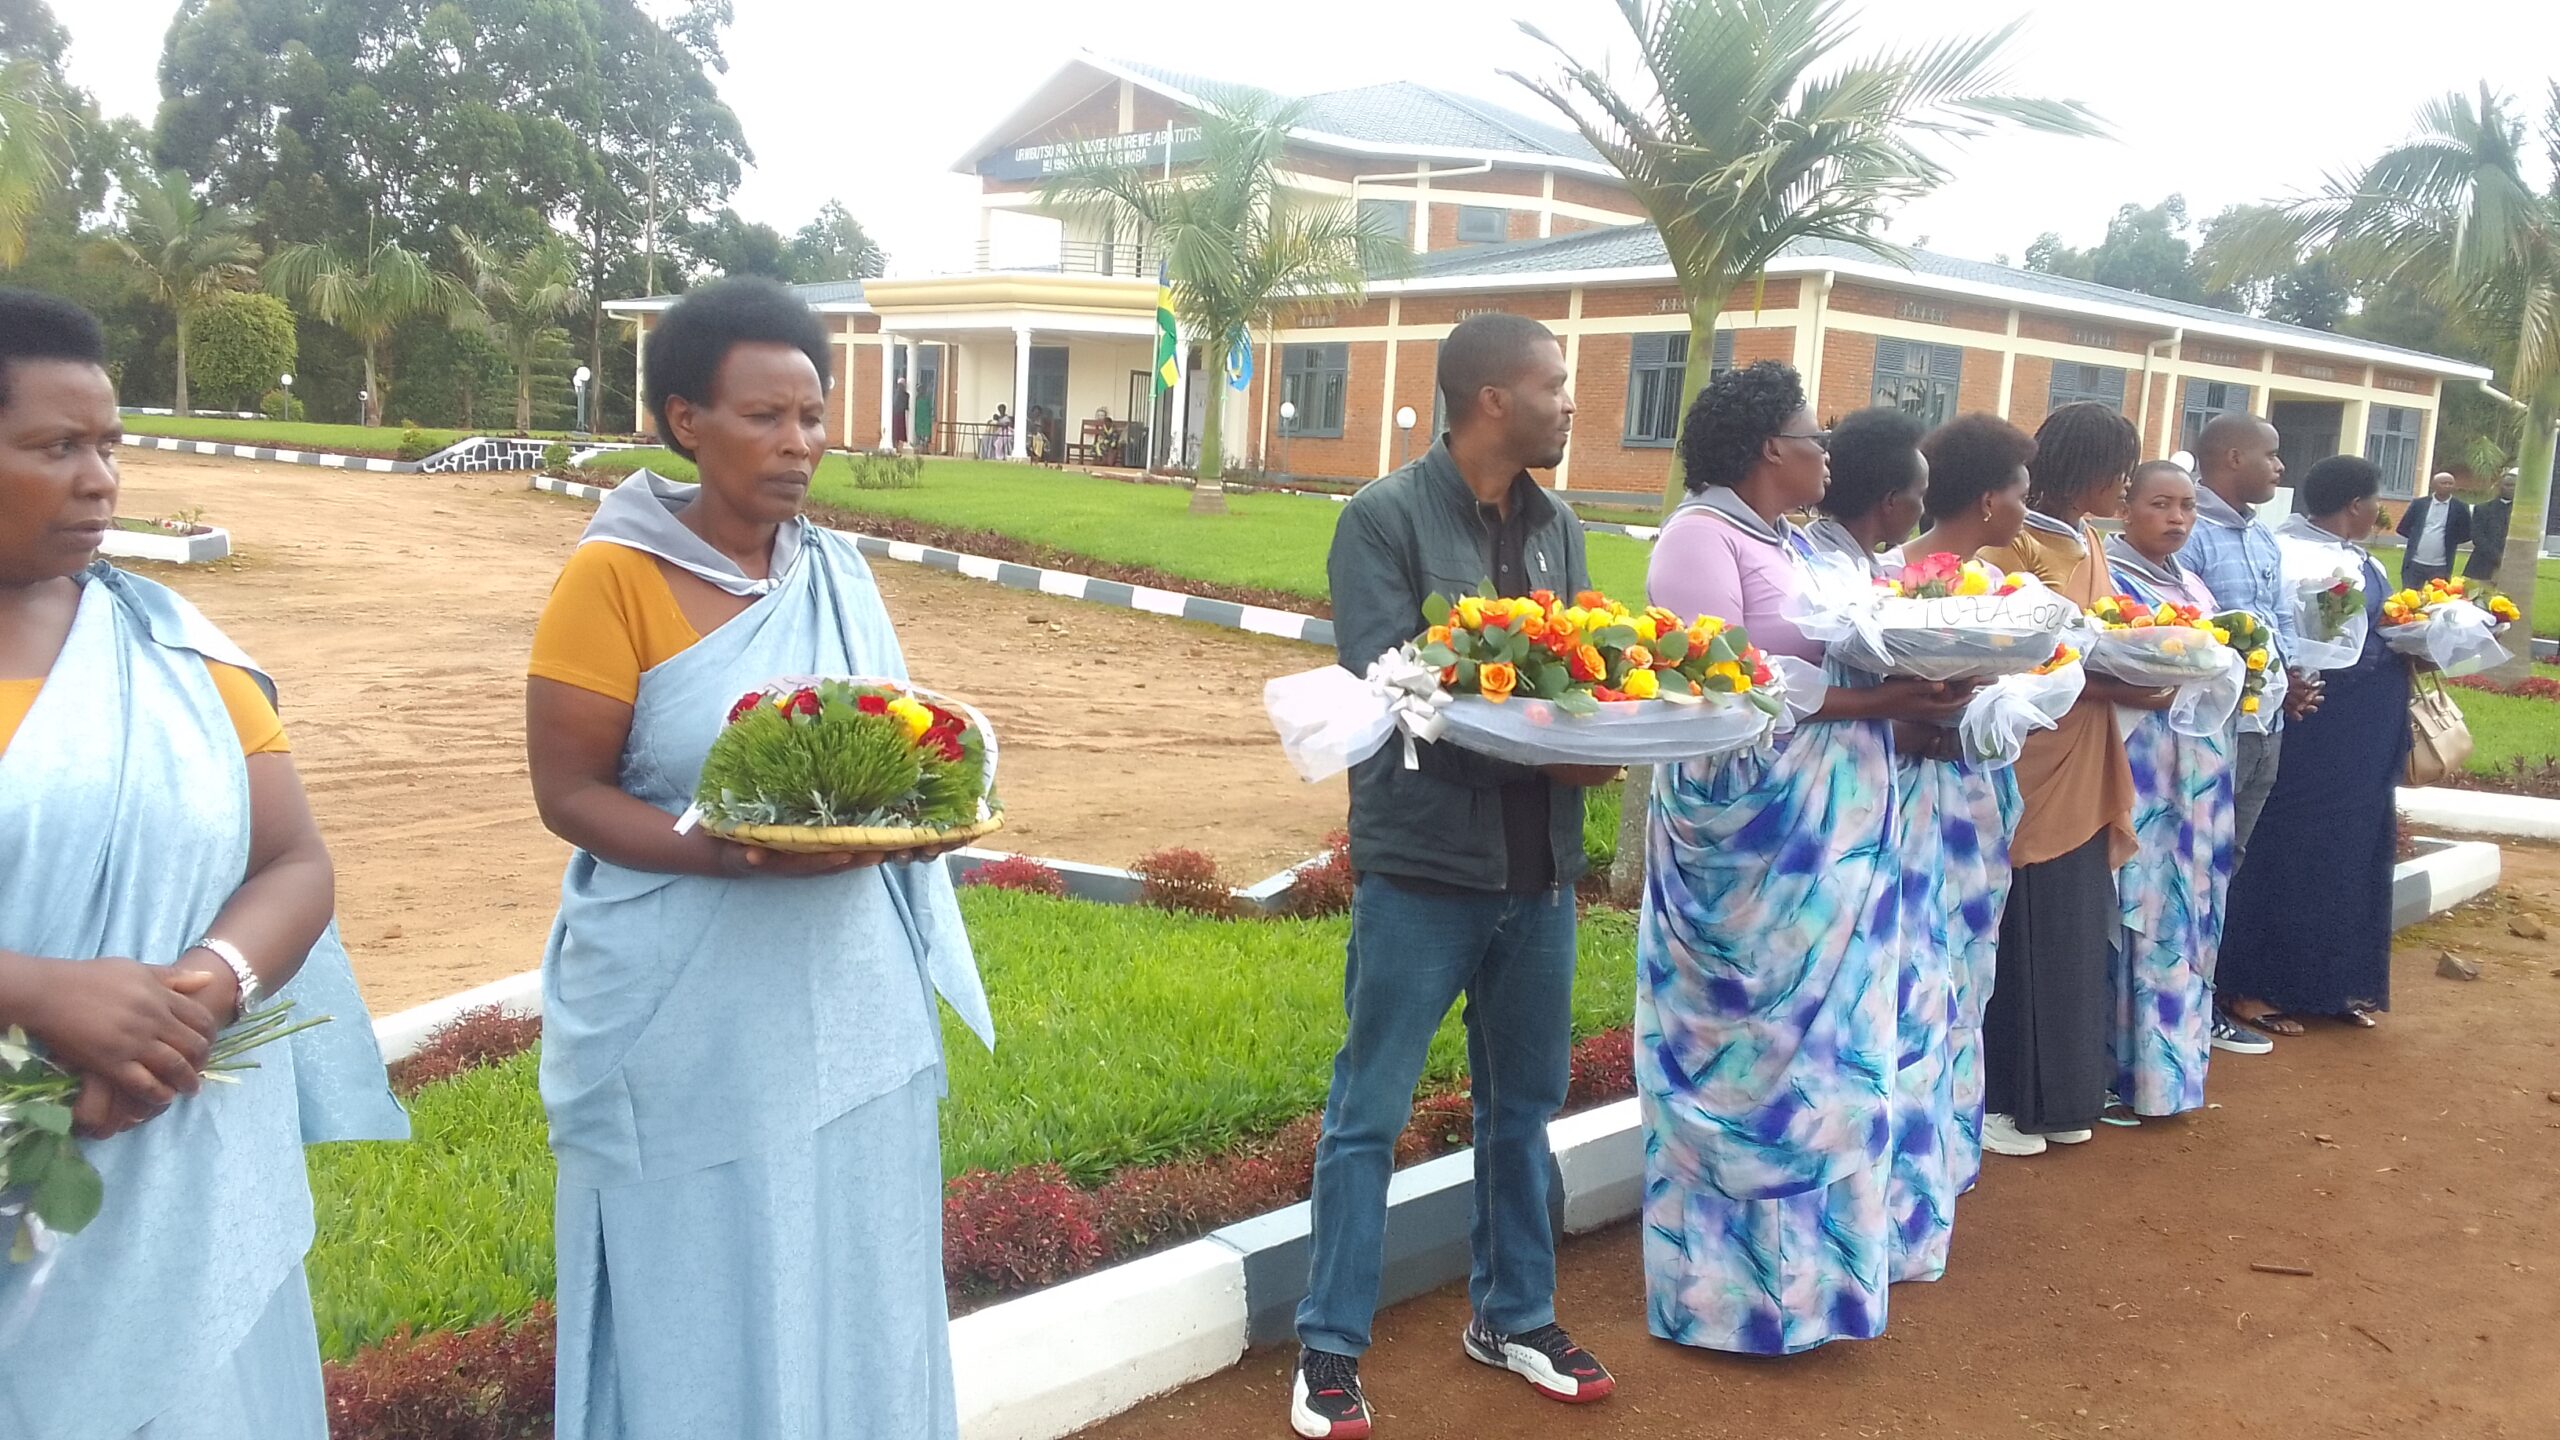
[{"x": 2308, "y": 929}]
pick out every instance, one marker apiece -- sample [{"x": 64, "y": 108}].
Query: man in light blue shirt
[{"x": 2235, "y": 555}]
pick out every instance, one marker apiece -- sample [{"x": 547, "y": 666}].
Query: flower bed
[{"x": 453, "y": 1229}]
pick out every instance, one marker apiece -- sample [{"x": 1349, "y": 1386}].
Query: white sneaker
[
  {"x": 2068, "y": 1137},
  {"x": 2001, "y": 1136}
]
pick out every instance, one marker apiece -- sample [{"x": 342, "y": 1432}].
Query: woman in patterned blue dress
[
  {"x": 1769, "y": 951},
  {"x": 2171, "y": 892}
]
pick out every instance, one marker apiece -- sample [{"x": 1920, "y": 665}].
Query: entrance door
[
  {"x": 2307, "y": 432},
  {"x": 1048, "y": 398},
  {"x": 924, "y": 396}
]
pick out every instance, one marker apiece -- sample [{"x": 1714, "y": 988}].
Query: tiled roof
[
  {"x": 1402, "y": 112},
  {"x": 1639, "y": 247}
]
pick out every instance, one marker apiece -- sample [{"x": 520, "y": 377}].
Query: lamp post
[
  {"x": 1288, "y": 417},
  {"x": 580, "y": 380},
  {"x": 1404, "y": 432},
  {"x": 364, "y": 406},
  {"x": 284, "y": 382}
]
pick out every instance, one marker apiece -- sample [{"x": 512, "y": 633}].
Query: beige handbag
[{"x": 2439, "y": 738}]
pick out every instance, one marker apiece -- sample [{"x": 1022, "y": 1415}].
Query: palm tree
[
  {"x": 35, "y": 150},
  {"x": 521, "y": 298},
  {"x": 184, "y": 252},
  {"x": 2453, "y": 212},
  {"x": 1237, "y": 249},
  {"x": 368, "y": 297},
  {"x": 1736, "y": 149}
]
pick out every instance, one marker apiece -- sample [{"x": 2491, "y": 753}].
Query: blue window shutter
[
  {"x": 1651, "y": 349},
  {"x": 1946, "y": 362},
  {"x": 1891, "y": 357},
  {"x": 1724, "y": 350}
]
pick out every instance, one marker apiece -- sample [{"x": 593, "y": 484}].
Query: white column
[
  {"x": 915, "y": 378},
  {"x": 1022, "y": 393},
  {"x": 1174, "y": 422},
  {"x": 888, "y": 386}
]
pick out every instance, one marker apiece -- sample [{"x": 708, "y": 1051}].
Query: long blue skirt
[
  {"x": 267, "y": 1389},
  {"x": 795, "y": 1294}
]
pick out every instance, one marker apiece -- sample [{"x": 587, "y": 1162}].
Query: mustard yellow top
[
  {"x": 2073, "y": 779},
  {"x": 261, "y": 733},
  {"x": 610, "y": 619}
]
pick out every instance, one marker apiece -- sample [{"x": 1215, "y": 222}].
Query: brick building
[{"x": 1505, "y": 212}]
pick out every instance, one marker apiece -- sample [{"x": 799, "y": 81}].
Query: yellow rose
[
  {"x": 1640, "y": 685},
  {"x": 1436, "y": 635},
  {"x": 1646, "y": 630},
  {"x": 1705, "y": 628},
  {"x": 1973, "y": 582},
  {"x": 1471, "y": 613},
  {"x": 915, "y": 717},
  {"x": 2258, "y": 659},
  {"x": 2018, "y": 577},
  {"x": 2220, "y": 635},
  {"x": 2248, "y": 704},
  {"x": 1735, "y": 682}
]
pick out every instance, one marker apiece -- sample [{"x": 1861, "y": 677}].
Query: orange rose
[
  {"x": 1586, "y": 664},
  {"x": 1545, "y": 598},
  {"x": 1639, "y": 658},
  {"x": 1533, "y": 623},
  {"x": 1495, "y": 681},
  {"x": 1437, "y": 635},
  {"x": 1591, "y": 600}
]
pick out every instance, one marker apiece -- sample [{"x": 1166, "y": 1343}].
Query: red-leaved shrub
[
  {"x": 2519, "y": 776},
  {"x": 1184, "y": 880},
  {"x": 468, "y": 1041},
  {"x": 1603, "y": 1068},
  {"x": 1018, "y": 872},
  {"x": 1017, "y": 1230},
  {"x": 1146, "y": 1205},
  {"x": 491, "y": 1382},
  {"x": 1441, "y": 1123},
  {"x": 1324, "y": 888},
  {"x": 2532, "y": 687}
]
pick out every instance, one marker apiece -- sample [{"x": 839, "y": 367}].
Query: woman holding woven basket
[{"x": 741, "y": 1062}]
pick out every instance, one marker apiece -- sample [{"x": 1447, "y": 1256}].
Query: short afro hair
[
  {"x": 2338, "y": 482},
  {"x": 1486, "y": 350},
  {"x": 2149, "y": 468},
  {"x": 1872, "y": 455},
  {"x": 37, "y": 326},
  {"x": 1732, "y": 418},
  {"x": 688, "y": 343},
  {"x": 2079, "y": 447},
  {"x": 1972, "y": 456}
]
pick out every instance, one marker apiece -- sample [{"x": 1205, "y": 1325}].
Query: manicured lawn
[
  {"x": 2510, "y": 727},
  {"x": 283, "y": 435},
  {"x": 1124, "y": 1036},
  {"x": 1273, "y": 542}
]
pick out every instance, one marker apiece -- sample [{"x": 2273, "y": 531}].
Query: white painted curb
[
  {"x": 2482, "y": 812},
  {"x": 1051, "y": 1363},
  {"x": 166, "y": 546},
  {"x": 401, "y": 1034},
  {"x": 1600, "y": 1154},
  {"x": 2462, "y": 870}
]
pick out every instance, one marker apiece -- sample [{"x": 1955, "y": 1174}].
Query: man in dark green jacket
[{"x": 1466, "y": 872}]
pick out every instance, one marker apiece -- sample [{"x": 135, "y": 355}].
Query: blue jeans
[{"x": 1412, "y": 955}]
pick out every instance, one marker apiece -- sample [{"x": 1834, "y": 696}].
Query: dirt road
[
  {"x": 396, "y": 611},
  {"x": 2103, "y": 1292}
]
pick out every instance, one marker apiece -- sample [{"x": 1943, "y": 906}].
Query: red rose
[
  {"x": 871, "y": 705},
  {"x": 1760, "y": 673},
  {"x": 803, "y": 702},
  {"x": 746, "y": 706}
]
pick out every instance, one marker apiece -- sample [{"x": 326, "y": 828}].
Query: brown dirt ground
[
  {"x": 2105, "y": 1291},
  {"x": 396, "y": 612}
]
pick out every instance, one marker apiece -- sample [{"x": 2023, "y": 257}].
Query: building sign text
[{"x": 1058, "y": 157}]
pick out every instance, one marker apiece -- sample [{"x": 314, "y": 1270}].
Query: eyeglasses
[{"x": 1820, "y": 438}]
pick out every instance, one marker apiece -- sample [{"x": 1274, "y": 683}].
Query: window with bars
[
  {"x": 1482, "y": 225},
  {"x": 1919, "y": 379},
  {"x": 2079, "y": 384},
  {"x": 1314, "y": 378},
  {"x": 2206, "y": 399},
  {"x": 2391, "y": 443},
  {"x": 1657, "y": 367}
]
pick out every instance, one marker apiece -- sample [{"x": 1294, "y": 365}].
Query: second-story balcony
[{"x": 1129, "y": 260}]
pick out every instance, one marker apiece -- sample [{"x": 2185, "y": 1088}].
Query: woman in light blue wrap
[
  {"x": 163, "y": 873},
  {"x": 1770, "y": 949},
  {"x": 741, "y": 1060}
]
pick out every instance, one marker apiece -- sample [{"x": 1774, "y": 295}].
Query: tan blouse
[{"x": 2073, "y": 778}]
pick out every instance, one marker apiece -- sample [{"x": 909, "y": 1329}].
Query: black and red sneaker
[
  {"x": 1325, "y": 1402},
  {"x": 1545, "y": 1357}
]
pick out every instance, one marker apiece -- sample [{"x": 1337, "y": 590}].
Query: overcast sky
[{"x": 2222, "y": 100}]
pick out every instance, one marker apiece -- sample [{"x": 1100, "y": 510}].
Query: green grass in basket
[
  {"x": 840, "y": 767},
  {"x": 1123, "y": 1036},
  {"x": 1266, "y": 542}
]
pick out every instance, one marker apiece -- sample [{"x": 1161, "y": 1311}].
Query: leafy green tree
[
  {"x": 834, "y": 246},
  {"x": 730, "y": 244},
  {"x": 2469, "y": 215},
  {"x": 36, "y": 128},
  {"x": 184, "y": 253},
  {"x": 1747, "y": 133},
  {"x": 243, "y": 342},
  {"x": 368, "y": 296},
  {"x": 2145, "y": 250},
  {"x": 1238, "y": 248},
  {"x": 521, "y": 297}
]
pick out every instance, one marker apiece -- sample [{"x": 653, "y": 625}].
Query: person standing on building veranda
[
  {"x": 2435, "y": 525},
  {"x": 2234, "y": 554},
  {"x": 1466, "y": 869},
  {"x": 2489, "y": 522}
]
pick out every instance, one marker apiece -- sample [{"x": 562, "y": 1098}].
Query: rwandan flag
[{"x": 1168, "y": 340}]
